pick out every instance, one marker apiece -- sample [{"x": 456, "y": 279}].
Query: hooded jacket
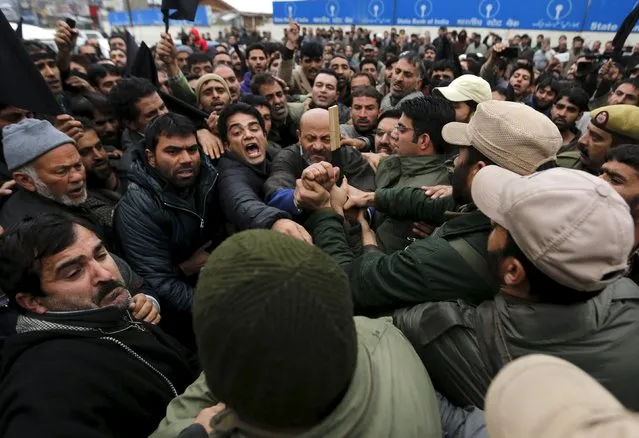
[{"x": 88, "y": 374}]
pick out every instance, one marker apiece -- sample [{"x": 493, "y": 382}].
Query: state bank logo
[
  {"x": 332, "y": 8},
  {"x": 290, "y": 10},
  {"x": 376, "y": 9},
  {"x": 423, "y": 8},
  {"x": 489, "y": 8},
  {"x": 558, "y": 9}
]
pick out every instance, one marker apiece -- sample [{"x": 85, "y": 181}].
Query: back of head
[
  {"x": 429, "y": 115},
  {"x": 125, "y": 95},
  {"x": 261, "y": 79},
  {"x": 289, "y": 347}
]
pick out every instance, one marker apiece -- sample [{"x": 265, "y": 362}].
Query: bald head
[{"x": 315, "y": 136}]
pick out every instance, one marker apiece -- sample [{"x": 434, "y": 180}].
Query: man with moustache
[
  {"x": 324, "y": 94},
  {"x": 213, "y": 95},
  {"x": 339, "y": 64},
  {"x": 300, "y": 79},
  {"x": 49, "y": 175},
  {"x": 169, "y": 218},
  {"x": 243, "y": 171},
  {"x": 609, "y": 127},
  {"x": 44, "y": 58},
  {"x": 406, "y": 81},
  {"x": 256, "y": 63},
  {"x": 364, "y": 113},
  {"x": 100, "y": 346},
  {"x": 386, "y": 140},
  {"x": 227, "y": 73},
  {"x": 568, "y": 108},
  {"x": 314, "y": 147}
]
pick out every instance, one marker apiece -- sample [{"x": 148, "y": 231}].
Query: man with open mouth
[{"x": 213, "y": 94}]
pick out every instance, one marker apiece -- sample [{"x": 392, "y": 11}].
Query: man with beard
[
  {"x": 103, "y": 77},
  {"x": 406, "y": 82},
  {"x": 286, "y": 116},
  {"x": 546, "y": 89},
  {"x": 256, "y": 62},
  {"x": 118, "y": 57},
  {"x": 609, "y": 126},
  {"x": 385, "y": 143},
  {"x": 451, "y": 264},
  {"x": 99, "y": 345},
  {"x": 106, "y": 123},
  {"x": 561, "y": 278},
  {"x": 213, "y": 95},
  {"x": 339, "y": 64},
  {"x": 227, "y": 73},
  {"x": 314, "y": 147},
  {"x": 243, "y": 171},
  {"x": 300, "y": 79},
  {"x": 169, "y": 220},
  {"x": 569, "y": 106},
  {"x": 48, "y": 172},
  {"x": 364, "y": 113},
  {"x": 384, "y": 87},
  {"x": 324, "y": 94}
]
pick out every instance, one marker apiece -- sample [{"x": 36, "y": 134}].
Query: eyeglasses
[{"x": 401, "y": 128}]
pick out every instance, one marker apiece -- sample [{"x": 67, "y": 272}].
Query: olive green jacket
[
  {"x": 395, "y": 171},
  {"x": 390, "y": 395},
  {"x": 430, "y": 269}
]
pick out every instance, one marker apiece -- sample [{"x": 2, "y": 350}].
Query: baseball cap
[
  {"x": 573, "y": 226},
  {"x": 622, "y": 120},
  {"x": 512, "y": 135},
  {"x": 467, "y": 87},
  {"x": 544, "y": 396}
]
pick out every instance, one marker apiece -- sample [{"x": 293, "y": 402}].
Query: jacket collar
[{"x": 108, "y": 318}]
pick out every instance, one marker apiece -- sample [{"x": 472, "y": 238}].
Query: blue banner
[
  {"x": 565, "y": 15},
  {"x": 153, "y": 17},
  {"x": 334, "y": 12},
  {"x": 607, "y": 15}
]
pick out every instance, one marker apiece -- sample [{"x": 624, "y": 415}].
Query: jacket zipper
[{"x": 141, "y": 359}]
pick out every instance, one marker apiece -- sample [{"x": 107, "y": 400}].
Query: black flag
[
  {"x": 19, "y": 28},
  {"x": 184, "y": 10},
  {"x": 21, "y": 84},
  {"x": 624, "y": 30}
]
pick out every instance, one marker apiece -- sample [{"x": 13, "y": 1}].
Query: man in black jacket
[
  {"x": 243, "y": 171},
  {"x": 82, "y": 364},
  {"x": 169, "y": 218}
]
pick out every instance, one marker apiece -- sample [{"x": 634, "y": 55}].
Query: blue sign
[
  {"x": 153, "y": 17},
  {"x": 607, "y": 15},
  {"x": 565, "y": 15},
  {"x": 334, "y": 12}
]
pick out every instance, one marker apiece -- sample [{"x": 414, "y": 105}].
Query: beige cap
[
  {"x": 467, "y": 87},
  {"x": 204, "y": 79},
  {"x": 574, "y": 227},
  {"x": 512, "y": 135},
  {"x": 543, "y": 396}
]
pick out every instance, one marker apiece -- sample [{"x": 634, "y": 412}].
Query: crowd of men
[{"x": 221, "y": 267}]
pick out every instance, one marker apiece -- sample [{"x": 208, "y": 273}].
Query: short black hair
[
  {"x": 97, "y": 72},
  {"x": 368, "y": 61},
  {"x": 548, "y": 80},
  {"x": 390, "y": 60},
  {"x": 444, "y": 64},
  {"x": 326, "y": 71},
  {"x": 125, "y": 95},
  {"x": 340, "y": 55},
  {"x": 634, "y": 82},
  {"x": 256, "y": 46},
  {"x": 199, "y": 58},
  {"x": 576, "y": 95},
  {"x": 626, "y": 153},
  {"x": 362, "y": 74},
  {"x": 255, "y": 100},
  {"x": 390, "y": 114},
  {"x": 23, "y": 247},
  {"x": 87, "y": 124},
  {"x": 169, "y": 125},
  {"x": 367, "y": 92},
  {"x": 33, "y": 46},
  {"x": 312, "y": 50},
  {"x": 262, "y": 79},
  {"x": 83, "y": 60},
  {"x": 429, "y": 115},
  {"x": 230, "y": 111},
  {"x": 529, "y": 68}
]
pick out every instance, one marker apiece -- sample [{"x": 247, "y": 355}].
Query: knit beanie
[
  {"x": 206, "y": 78},
  {"x": 273, "y": 320},
  {"x": 26, "y": 141}
]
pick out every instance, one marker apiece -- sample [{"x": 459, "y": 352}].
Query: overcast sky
[{"x": 258, "y": 6}]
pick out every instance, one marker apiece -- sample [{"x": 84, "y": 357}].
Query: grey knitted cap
[{"x": 31, "y": 138}]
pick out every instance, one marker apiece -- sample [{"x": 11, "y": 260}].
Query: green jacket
[
  {"x": 570, "y": 160},
  {"x": 429, "y": 269},
  {"x": 395, "y": 171},
  {"x": 390, "y": 395},
  {"x": 182, "y": 90},
  {"x": 466, "y": 346}
]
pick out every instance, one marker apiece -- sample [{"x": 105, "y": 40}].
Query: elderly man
[
  {"x": 406, "y": 81},
  {"x": 314, "y": 147}
]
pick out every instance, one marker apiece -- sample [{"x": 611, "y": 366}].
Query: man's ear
[
  {"x": 150, "y": 157},
  {"x": 30, "y": 303},
  {"x": 514, "y": 273},
  {"x": 24, "y": 181},
  {"x": 424, "y": 141}
]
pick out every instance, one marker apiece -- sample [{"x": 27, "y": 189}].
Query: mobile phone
[
  {"x": 70, "y": 22},
  {"x": 510, "y": 52}
]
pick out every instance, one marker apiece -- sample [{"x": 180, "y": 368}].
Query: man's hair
[
  {"x": 230, "y": 111},
  {"x": 24, "y": 245},
  {"x": 429, "y": 115},
  {"x": 367, "y": 61},
  {"x": 312, "y": 50},
  {"x": 99, "y": 102},
  {"x": 444, "y": 64},
  {"x": 576, "y": 95},
  {"x": 97, "y": 72},
  {"x": 256, "y": 46},
  {"x": 547, "y": 80},
  {"x": 83, "y": 60},
  {"x": 392, "y": 59},
  {"x": 367, "y": 92},
  {"x": 526, "y": 67},
  {"x": 199, "y": 58},
  {"x": 390, "y": 114},
  {"x": 255, "y": 100},
  {"x": 117, "y": 35},
  {"x": 415, "y": 61},
  {"x": 87, "y": 124},
  {"x": 634, "y": 82},
  {"x": 33, "y": 46},
  {"x": 544, "y": 289},
  {"x": 262, "y": 79},
  {"x": 124, "y": 97},
  {"x": 168, "y": 125},
  {"x": 326, "y": 71},
  {"x": 340, "y": 55},
  {"x": 627, "y": 154},
  {"x": 370, "y": 77}
]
